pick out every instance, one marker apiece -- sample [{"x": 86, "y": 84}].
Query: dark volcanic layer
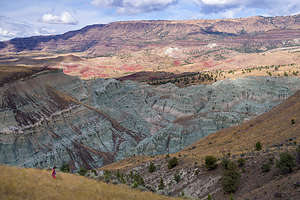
[{"x": 253, "y": 32}]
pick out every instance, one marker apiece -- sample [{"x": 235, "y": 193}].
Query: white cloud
[
  {"x": 231, "y": 13},
  {"x": 43, "y": 31},
  {"x": 272, "y": 7},
  {"x": 218, "y": 2},
  {"x": 6, "y": 33},
  {"x": 135, "y": 6},
  {"x": 11, "y": 28},
  {"x": 64, "y": 18}
]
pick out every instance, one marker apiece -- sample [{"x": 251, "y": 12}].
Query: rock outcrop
[{"x": 50, "y": 118}]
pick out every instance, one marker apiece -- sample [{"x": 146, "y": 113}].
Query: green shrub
[
  {"x": 65, "y": 168},
  {"x": 118, "y": 175},
  {"x": 107, "y": 175},
  {"x": 152, "y": 167},
  {"x": 230, "y": 180},
  {"x": 138, "y": 179},
  {"x": 82, "y": 171},
  {"x": 298, "y": 153},
  {"x": 161, "y": 185},
  {"x": 241, "y": 162},
  {"x": 173, "y": 162},
  {"x": 209, "y": 197},
  {"x": 228, "y": 164},
  {"x": 182, "y": 194},
  {"x": 211, "y": 162},
  {"x": 286, "y": 74},
  {"x": 225, "y": 162},
  {"x": 286, "y": 163},
  {"x": 177, "y": 177},
  {"x": 266, "y": 167},
  {"x": 258, "y": 146},
  {"x": 135, "y": 184},
  {"x": 122, "y": 179},
  {"x": 95, "y": 172}
]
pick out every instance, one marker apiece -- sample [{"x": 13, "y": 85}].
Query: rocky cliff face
[{"x": 50, "y": 118}]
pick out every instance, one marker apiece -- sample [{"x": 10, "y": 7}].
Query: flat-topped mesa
[{"x": 110, "y": 38}]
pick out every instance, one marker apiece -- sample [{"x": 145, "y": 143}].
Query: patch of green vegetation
[
  {"x": 65, "y": 168},
  {"x": 231, "y": 179},
  {"x": 82, "y": 171},
  {"x": 293, "y": 121},
  {"x": 152, "y": 167},
  {"x": 211, "y": 162},
  {"x": 266, "y": 167},
  {"x": 173, "y": 162},
  {"x": 177, "y": 177},
  {"x": 286, "y": 163},
  {"x": 209, "y": 197},
  {"x": 241, "y": 162},
  {"x": 258, "y": 146},
  {"x": 247, "y": 49},
  {"x": 161, "y": 185}
]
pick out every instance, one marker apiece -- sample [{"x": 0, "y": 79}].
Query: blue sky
[{"x": 22, "y": 18}]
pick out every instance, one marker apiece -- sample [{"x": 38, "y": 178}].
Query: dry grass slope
[{"x": 34, "y": 184}]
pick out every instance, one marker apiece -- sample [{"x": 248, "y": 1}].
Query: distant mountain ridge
[{"x": 133, "y": 35}]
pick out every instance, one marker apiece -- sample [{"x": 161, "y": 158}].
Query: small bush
[
  {"x": 95, "y": 172},
  {"x": 225, "y": 162},
  {"x": 230, "y": 180},
  {"x": 286, "y": 163},
  {"x": 211, "y": 162},
  {"x": 243, "y": 170},
  {"x": 173, "y": 162},
  {"x": 65, "y": 168},
  {"x": 152, "y": 167},
  {"x": 293, "y": 121},
  {"x": 271, "y": 160},
  {"x": 298, "y": 154},
  {"x": 177, "y": 177},
  {"x": 122, "y": 179},
  {"x": 209, "y": 197},
  {"x": 266, "y": 167},
  {"x": 228, "y": 164},
  {"x": 258, "y": 146},
  {"x": 138, "y": 179},
  {"x": 118, "y": 175},
  {"x": 241, "y": 162},
  {"x": 135, "y": 184},
  {"x": 107, "y": 175},
  {"x": 82, "y": 171},
  {"x": 161, "y": 185}
]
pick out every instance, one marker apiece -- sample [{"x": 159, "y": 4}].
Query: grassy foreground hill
[{"x": 22, "y": 184}]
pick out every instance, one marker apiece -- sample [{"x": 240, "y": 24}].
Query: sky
[{"x": 23, "y": 18}]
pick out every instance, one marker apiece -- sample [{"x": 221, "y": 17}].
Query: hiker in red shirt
[{"x": 54, "y": 172}]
